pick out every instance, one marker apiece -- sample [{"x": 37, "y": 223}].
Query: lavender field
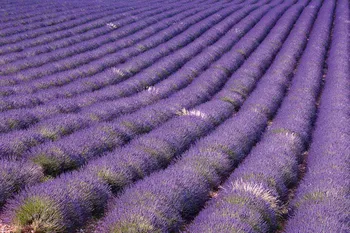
[{"x": 192, "y": 116}]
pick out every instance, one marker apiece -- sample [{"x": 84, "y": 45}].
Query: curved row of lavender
[{"x": 174, "y": 116}]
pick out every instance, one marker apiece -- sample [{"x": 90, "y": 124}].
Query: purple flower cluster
[
  {"x": 15, "y": 176},
  {"x": 84, "y": 196}
]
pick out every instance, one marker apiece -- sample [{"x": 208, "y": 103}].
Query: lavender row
[
  {"x": 254, "y": 196},
  {"x": 79, "y": 27},
  {"x": 192, "y": 124},
  {"x": 11, "y": 15},
  {"x": 27, "y": 16},
  {"x": 46, "y": 18},
  {"x": 103, "y": 44},
  {"x": 15, "y": 176},
  {"x": 210, "y": 114},
  {"x": 104, "y": 35},
  {"x": 85, "y": 31},
  {"x": 12, "y": 6},
  {"x": 110, "y": 55},
  {"x": 61, "y": 125},
  {"x": 30, "y": 9},
  {"x": 16, "y": 119},
  {"x": 89, "y": 24},
  {"x": 74, "y": 151},
  {"x": 98, "y": 28},
  {"x": 322, "y": 202},
  {"x": 42, "y": 31},
  {"x": 67, "y": 15},
  {"x": 48, "y": 12}
]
